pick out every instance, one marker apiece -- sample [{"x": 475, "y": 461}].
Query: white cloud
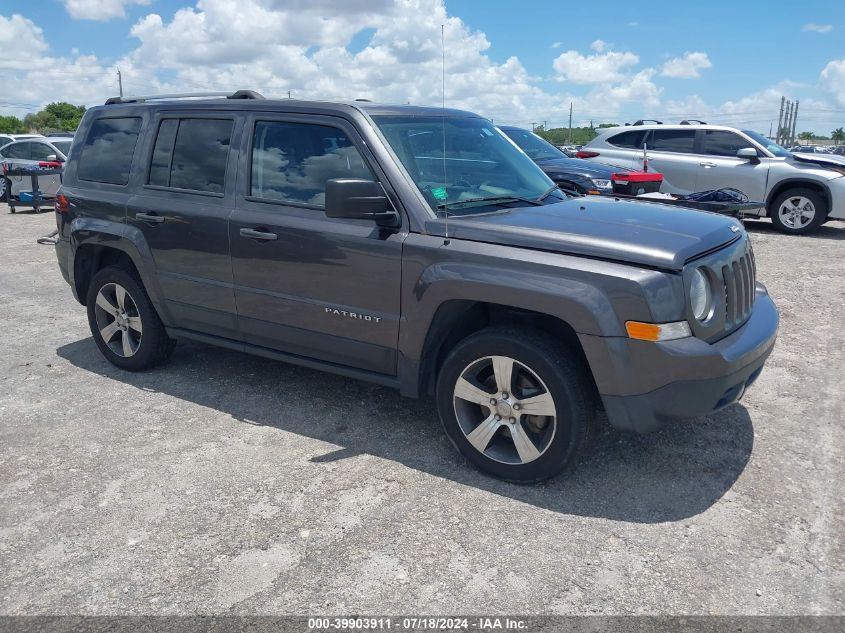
[
  {"x": 557, "y": 44},
  {"x": 589, "y": 69},
  {"x": 832, "y": 80},
  {"x": 101, "y": 10},
  {"x": 686, "y": 67},
  {"x": 599, "y": 46},
  {"x": 13, "y": 31},
  {"x": 817, "y": 28}
]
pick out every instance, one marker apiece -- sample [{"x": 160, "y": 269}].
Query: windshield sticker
[{"x": 439, "y": 193}]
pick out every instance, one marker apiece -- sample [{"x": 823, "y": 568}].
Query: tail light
[
  {"x": 61, "y": 204},
  {"x": 586, "y": 154}
]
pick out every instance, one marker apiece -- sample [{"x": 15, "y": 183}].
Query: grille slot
[{"x": 739, "y": 279}]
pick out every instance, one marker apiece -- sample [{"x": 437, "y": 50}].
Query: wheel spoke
[
  {"x": 483, "y": 433},
  {"x": 109, "y": 331},
  {"x": 465, "y": 390},
  {"x": 524, "y": 446},
  {"x": 135, "y": 324},
  {"x": 120, "y": 295},
  {"x": 127, "y": 344},
  {"x": 105, "y": 304},
  {"x": 538, "y": 405},
  {"x": 503, "y": 369}
]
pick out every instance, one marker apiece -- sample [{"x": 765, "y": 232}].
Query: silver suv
[
  {"x": 800, "y": 192},
  {"x": 31, "y": 151}
]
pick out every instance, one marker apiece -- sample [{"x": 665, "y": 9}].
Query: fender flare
[{"x": 86, "y": 231}]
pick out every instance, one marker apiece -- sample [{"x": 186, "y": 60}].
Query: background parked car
[
  {"x": 32, "y": 151},
  {"x": 800, "y": 191},
  {"x": 809, "y": 149},
  {"x": 572, "y": 174},
  {"x": 5, "y": 139}
]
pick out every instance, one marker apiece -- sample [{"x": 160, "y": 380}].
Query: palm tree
[
  {"x": 838, "y": 135},
  {"x": 806, "y": 136}
]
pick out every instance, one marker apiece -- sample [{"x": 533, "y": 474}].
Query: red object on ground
[{"x": 636, "y": 182}]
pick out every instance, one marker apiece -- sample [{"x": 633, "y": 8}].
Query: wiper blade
[
  {"x": 492, "y": 200},
  {"x": 547, "y": 193}
]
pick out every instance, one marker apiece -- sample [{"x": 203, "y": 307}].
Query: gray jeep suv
[{"x": 414, "y": 247}]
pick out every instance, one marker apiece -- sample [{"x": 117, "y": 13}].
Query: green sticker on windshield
[{"x": 439, "y": 193}]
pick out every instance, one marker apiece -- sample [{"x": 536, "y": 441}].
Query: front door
[
  {"x": 306, "y": 284},
  {"x": 182, "y": 209},
  {"x": 721, "y": 168}
]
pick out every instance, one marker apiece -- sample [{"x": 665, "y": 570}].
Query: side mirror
[
  {"x": 52, "y": 158},
  {"x": 749, "y": 154},
  {"x": 354, "y": 198}
]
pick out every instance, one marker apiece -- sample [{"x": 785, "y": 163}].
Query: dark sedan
[{"x": 571, "y": 174}]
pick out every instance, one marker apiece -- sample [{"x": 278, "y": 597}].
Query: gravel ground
[{"x": 225, "y": 483}]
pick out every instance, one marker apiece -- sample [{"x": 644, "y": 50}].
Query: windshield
[
  {"x": 480, "y": 163},
  {"x": 536, "y": 147},
  {"x": 769, "y": 144},
  {"x": 62, "y": 146}
]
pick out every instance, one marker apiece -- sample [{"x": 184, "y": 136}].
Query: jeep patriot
[{"x": 413, "y": 247}]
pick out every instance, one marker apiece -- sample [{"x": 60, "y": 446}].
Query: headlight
[
  {"x": 602, "y": 184},
  {"x": 701, "y": 296}
]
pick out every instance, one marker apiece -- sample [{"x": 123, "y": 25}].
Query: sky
[{"x": 517, "y": 62}]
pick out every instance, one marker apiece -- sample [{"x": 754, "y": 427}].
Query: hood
[
  {"x": 577, "y": 167},
  {"x": 649, "y": 234},
  {"x": 830, "y": 161}
]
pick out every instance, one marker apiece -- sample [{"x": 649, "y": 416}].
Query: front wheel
[
  {"x": 515, "y": 403},
  {"x": 5, "y": 189},
  {"x": 124, "y": 322},
  {"x": 798, "y": 211}
]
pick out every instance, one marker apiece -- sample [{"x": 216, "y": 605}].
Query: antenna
[{"x": 443, "y": 121}]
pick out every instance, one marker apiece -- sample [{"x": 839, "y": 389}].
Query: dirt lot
[{"x": 228, "y": 483}]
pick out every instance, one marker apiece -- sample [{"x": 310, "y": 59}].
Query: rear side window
[
  {"x": 18, "y": 150},
  {"x": 629, "y": 140},
  {"x": 721, "y": 143},
  {"x": 293, "y": 161},
  {"x": 680, "y": 141},
  {"x": 191, "y": 154},
  {"x": 107, "y": 152}
]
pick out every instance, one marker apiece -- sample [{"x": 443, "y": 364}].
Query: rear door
[
  {"x": 182, "y": 208},
  {"x": 719, "y": 166},
  {"x": 307, "y": 284},
  {"x": 40, "y": 152},
  {"x": 672, "y": 153}
]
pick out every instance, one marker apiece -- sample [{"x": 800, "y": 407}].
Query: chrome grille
[{"x": 739, "y": 279}]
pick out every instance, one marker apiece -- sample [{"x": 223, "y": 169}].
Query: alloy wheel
[
  {"x": 505, "y": 410},
  {"x": 797, "y": 212},
  {"x": 118, "y": 320}
]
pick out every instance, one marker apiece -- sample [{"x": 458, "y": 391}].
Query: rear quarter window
[
  {"x": 629, "y": 140},
  {"x": 107, "y": 152}
]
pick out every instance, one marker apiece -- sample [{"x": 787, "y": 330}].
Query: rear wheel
[
  {"x": 124, "y": 322},
  {"x": 515, "y": 403},
  {"x": 5, "y": 189},
  {"x": 798, "y": 211}
]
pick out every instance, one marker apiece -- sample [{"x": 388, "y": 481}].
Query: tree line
[{"x": 56, "y": 117}]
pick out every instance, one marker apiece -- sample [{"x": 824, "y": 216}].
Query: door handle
[
  {"x": 150, "y": 217},
  {"x": 258, "y": 235},
  {"x": 707, "y": 164}
]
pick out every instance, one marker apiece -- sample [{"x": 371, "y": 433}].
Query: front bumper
[{"x": 643, "y": 385}]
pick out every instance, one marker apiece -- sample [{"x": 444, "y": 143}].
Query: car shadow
[
  {"x": 831, "y": 231},
  {"x": 675, "y": 473}
]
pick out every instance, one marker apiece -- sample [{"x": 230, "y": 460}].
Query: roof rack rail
[
  {"x": 693, "y": 122},
  {"x": 644, "y": 121},
  {"x": 238, "y": 94}
]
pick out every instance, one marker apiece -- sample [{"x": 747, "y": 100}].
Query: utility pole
[
  {"x": 770, "y": 130},
  {"x": 794, "y": 119},
  {"x": 570, "y": 123},
  {"x": 787, "y": 125},
  {"x": 288, "y": 94},
  {"x": 545, "y": 126},
  {"x": 780, "y": 120},
  {"x": 119, "y": 82},
  {"x": 533, "y": 127}
]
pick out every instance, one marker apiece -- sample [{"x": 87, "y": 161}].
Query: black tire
[
  {"x": 819, "y": 205},
  {"x": 562, "y": 375},
  {"x": 152, "y": 346},
  {"x": 4, "y": 194}
]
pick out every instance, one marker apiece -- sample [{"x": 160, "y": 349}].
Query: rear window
[
  {"x": 191, "y": 154},
  {"x": 107, "y": 152},
  {"x": 630, "y": 140},
  {"x": 680, "y": 141}
]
